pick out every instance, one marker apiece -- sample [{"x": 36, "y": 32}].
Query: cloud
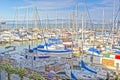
[
  {"x": 108, "y": 6},
  {"x": 63, "y": 8},
  {"x": 48, "y": 4},
  {"x": 110, "y": 3}
]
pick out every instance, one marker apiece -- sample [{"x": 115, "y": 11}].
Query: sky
[{"x": 58, "y": 9}]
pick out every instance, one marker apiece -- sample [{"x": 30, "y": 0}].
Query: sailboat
[{"x": 54, "y": 49}]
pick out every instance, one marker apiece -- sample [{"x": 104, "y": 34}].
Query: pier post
[
  {"x": 29, "y": 47},
  {"x": 0, "y": 69},
  {"x": 117, "y": 70}
]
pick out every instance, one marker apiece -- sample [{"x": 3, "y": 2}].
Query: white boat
[{"x": 52, "y": 49}]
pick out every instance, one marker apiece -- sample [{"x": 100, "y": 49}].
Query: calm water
[
  {"x": 59, "y": 25},
  {"x": 20, "y": 45}
]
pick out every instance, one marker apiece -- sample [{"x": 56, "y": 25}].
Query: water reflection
[{"x": 20, "y": 45}]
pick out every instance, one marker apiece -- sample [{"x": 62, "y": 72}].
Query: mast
[
  {"x": 36, "y": 24},
  {"x": 27, "y": 18},
  {"x": 62, "y": 28},
  {"x": 73, "y": 26},
  {"x": 103, "y": 27},
  {"x": 82, "y": 35},
  {"x": 69, "y": 22},
  {"x": 76, "y": 18},
  {"x": 35, "y": 17},
  {"x": 72, "y": 40},
  {"x": 62, "y": 23},
  {"x": 66, "y": 23},
  {"x": 56, "y": 21},
  {"x": 42, "y": 30},
  {"x": 16, "y": 18},
  {"x": 113, "y": 22},
  {"x": 47, "y": 22}
]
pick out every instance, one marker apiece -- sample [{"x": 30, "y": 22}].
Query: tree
[
  {"x": 9, "y": 69},
  {"x": 0, "y": 70},
  {"x": 20, "y": 72},
  {"x": 36, "y": 76}
]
